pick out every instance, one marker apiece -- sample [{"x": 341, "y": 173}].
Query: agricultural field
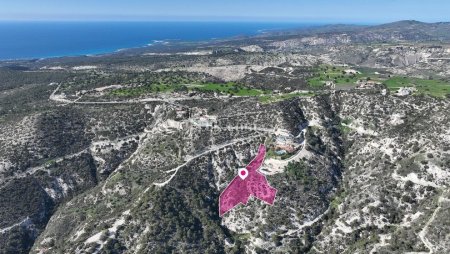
[
  {"x": 324, "y": 73},
  {"x": 432, "y": 87},
  {"x": 338, "y": 75}
]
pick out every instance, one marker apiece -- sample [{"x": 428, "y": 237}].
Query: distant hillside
[
  {"x": 415, "y": 30},
  {"x": 407, "y": 30}
]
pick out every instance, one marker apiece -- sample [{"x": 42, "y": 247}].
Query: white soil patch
[{"x": 84, "y": 67}]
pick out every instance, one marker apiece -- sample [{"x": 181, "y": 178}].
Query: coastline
[
  {"x": 124, "y": 44},
  {"x": 74, "y": 55}
]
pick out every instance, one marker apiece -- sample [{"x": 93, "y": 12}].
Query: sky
[{"x": 325, "y": 11}]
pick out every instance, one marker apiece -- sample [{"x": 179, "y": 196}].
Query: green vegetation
[
  {"x": 21, "y": 198},
  {"x": 114, "y": 179},
  {"x": 228, "y": 88},
  {"x": 299, "y": 171},
  {"x": 141, "y": 90},
  {"x": 325, "y": 73},
  {"x": 222, "y": 88},
  {"x": 20, "y": 76},
  {"x": 50, "y": 162},
  {"x": 338, "y": 199},
  {"x": 280, "y": 97},
  {"x": 303, "y": 176},
  {"x": 343, "y": 127},
  {"x": 433, "y": 87},
  {"x": 362, "y": 243},
  {"x": 347, "y": 121},
  {"x": 271, "y": 153}
]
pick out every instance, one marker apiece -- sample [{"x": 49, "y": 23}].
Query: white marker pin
[{"x": 243, "y": 173}]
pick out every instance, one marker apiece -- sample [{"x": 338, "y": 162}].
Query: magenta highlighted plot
[{"x": 248, "y": 182}]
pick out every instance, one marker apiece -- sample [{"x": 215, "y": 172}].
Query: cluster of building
[{"x": 285, "y": 144}]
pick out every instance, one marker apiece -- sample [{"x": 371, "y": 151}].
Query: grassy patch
[
  {"x": 344, "y": 126},
  {"x": 49, "y": 162},
  {"x": 337, "y": 74},
  {"x": 437, "y": 88},
  {"x": 271, "y": 154},
  {"x": 115, "y": 178},
  {"x": 344, "y": 129},
  {"x": 244, "y": 237},
  {"x": 338, "y": 199},
  {"x": 325, "y": 73}
]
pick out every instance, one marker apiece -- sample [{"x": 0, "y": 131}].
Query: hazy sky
[{"x": 365, "y": 11}]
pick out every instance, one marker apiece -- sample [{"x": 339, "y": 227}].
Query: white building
[
  {"x": 405, "y": 91},
  {"x": 351, "y": 72}
]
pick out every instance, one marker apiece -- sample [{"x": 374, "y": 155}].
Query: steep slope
[
  {"x": 367, "y": 170},
  {"x": 165, "y": 197},
  {"x": 395, "y": 186},
  {"x": 47, "y": 158}
]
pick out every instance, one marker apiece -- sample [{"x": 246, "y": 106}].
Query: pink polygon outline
[{"x": 265, "y": 178}]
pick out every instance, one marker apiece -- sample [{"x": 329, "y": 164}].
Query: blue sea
[{"x": 26, "y": 40}]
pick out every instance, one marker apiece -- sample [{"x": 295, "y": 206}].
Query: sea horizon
[{"x": 27, "y": 40}]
